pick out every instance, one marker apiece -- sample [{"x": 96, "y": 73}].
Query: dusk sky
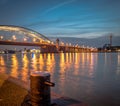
[{"x": 64, "y": 18}]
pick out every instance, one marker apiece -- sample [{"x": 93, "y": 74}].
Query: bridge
[{"x": 20, "y": 36}]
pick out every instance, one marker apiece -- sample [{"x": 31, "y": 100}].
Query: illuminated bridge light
[
  {"x": 25, "y": 39},
  {"x": 34, "y": 39},
  {"x": 1, "y": 37},
  {"x": 14, "y": 37},
  {"x": 20, "y": 34}
]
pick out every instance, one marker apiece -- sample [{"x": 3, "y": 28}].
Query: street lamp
[
  {"x": 1, "y": 37},
  {"x": 14, "y": 37},
  {"x": 52, "y": 42},
  {"x": 76, "y": 45},
  {"x": 48, "y": 41},
  {"x": 34, "y": 39},
  {"x": 25, "y": 39}
]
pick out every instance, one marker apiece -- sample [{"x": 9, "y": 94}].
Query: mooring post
[{"x": 40, "y": 88}]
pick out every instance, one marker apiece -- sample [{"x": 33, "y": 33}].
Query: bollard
[{"x": 40, "y": 88}]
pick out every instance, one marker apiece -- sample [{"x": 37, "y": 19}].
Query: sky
[{"x": 64, "y": 18}]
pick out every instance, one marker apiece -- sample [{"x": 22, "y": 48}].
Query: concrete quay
[{"x": 14, "y": 92}]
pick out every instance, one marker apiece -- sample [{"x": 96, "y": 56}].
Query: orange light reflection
[
  {"x": 14, "y": 67},
  {"x": 62, "y": 69},
  {"x": 2, "y": 63},
  {"x": 34, "y": 62},
  {"x": 41, "y": 61},
  {"x": 25, "y": 70},
  {"x": 118, "y": 65},
  {"x": 50, "y": 62},
  {"x": 76, "y": 64}
]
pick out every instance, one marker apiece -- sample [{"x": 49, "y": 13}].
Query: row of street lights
[
  {"x": 15, "y": 38},
  {"x": 61, "y": 43}
]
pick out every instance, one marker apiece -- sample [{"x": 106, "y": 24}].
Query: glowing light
[
  {"x": 77, "y": 61},
  {"x": 48, "y": 62},
  {"x": 25, "y": 39},
  {"x": 1, "y": 37},
  {"x": 35, "y": 50},
  {"x": 62, "y": 63},
  {"x": 62, "y": 43},
  {"x": 34, "y": 39},
  {"x": 14, "y": 37},
  {"x": 14, "y": 69},
  {"x": 34, "y": 62},
  {"x": 25, "y": 67},
  {"x": 52, "y": 42},
  {"x": 48, "y": 41},
  {"x": 24, "y": 32},
  {"x": 41, "y": 61},
  {"x": 2, "y": 63}
]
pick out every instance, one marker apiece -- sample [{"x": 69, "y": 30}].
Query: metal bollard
[{"x": 40, "y": 88}]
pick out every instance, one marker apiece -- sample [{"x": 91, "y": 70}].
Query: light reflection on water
[
  {"x": 14, "y": 66},
  {"x": 118, "y": 66},
  {"x": 91, "y": 77}
]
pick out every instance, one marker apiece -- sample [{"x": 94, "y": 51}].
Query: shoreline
[{"x": 14, "y": 91}]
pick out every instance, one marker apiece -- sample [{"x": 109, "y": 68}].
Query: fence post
[{"x": 40, "y": 88}]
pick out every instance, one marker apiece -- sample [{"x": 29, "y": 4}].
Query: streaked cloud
[
  {"x": 59, "y": 5},
  {"x": 78, "y": 18}
]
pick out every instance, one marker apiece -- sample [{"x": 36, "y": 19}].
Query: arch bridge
[{"x": 15, "y": 35}]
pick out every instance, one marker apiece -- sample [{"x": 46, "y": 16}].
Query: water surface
[{"x": 93, "y": 78}]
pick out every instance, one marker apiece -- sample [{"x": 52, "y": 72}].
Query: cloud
[
  {"x": 59, "y": 5},
  {"x": 43, "y": 24}
]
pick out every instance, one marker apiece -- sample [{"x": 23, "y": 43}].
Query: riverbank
[{"x": 13, "y": 93}]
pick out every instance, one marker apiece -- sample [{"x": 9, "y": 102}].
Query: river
[{"x": 93, "y": 78}]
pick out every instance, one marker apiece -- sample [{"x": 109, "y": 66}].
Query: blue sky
[{"x": 64, "y": 18}]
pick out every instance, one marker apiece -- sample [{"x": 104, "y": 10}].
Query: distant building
[{"x": 109, "y": 48}]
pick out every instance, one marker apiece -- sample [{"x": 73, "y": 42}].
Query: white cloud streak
[{"x": 59, "y": 5}]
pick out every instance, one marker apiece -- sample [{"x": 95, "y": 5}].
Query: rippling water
[{"x": 90, "y": 77}]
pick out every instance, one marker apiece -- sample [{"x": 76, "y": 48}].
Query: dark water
[{"x": 93, "y": 78}]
